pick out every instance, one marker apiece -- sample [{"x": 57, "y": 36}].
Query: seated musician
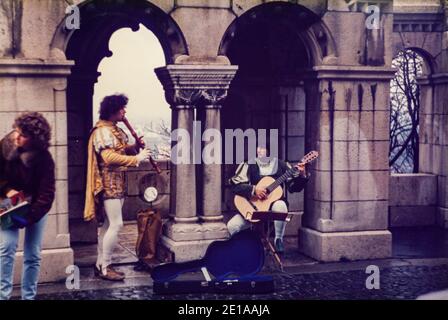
[{"x": 244, "y": 182}]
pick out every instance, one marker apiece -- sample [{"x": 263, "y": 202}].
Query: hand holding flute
[{"x": 141, "y": 145}]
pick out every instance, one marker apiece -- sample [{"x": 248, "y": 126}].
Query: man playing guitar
[{"x": 244, "y": 183}]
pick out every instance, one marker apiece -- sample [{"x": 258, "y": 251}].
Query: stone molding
[
  {"x": 350, "y": 73},
  {"x": 35, "y": 68},
  {"x": 437, "y": 78},
  {"x": 418, "y": 22}
]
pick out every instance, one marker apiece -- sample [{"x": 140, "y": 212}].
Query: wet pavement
[
  {"x": 419, "y": 242},
  {"x": 419, "y": 266},
  {"x": 404, "y": 282}
]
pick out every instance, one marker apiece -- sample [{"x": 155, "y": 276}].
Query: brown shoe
[
  {"x": 97, "y": 271},
  {"x": 116, "y": 271},
  {"x": 111, "y": 275}
]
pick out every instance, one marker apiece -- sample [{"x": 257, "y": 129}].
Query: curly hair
[
  {"x": 111, "y": 105},
  {"x": 34, "y": 125}
]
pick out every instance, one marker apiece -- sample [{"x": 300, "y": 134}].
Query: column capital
[
  {"x": 183, "y": 98},
  {"x": 213, "y": 97},
  {"x": 186, "y": 84}
]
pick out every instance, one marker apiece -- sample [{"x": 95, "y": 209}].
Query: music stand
[{"x": 268, "y": 217}]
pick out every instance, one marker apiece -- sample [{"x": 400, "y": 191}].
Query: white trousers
[
  {"x": 108, "y": 232},
  {"x": 238, "y": 223}
]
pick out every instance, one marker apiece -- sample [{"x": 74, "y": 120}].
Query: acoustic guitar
[{"x": 274, "y": 190}]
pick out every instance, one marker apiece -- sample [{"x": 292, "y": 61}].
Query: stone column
[
  {"x": 434, "y": 137},
  {"x": 183, "y": 227},
  {"x": 184, "y": 178},
  {"x": 80, "y": 91},
  {"x": 211, "y": 199},
  {"x": 185, "y": 236},
  {"x": 37, "y": 85},
  {"x": 346, "y": 206}
]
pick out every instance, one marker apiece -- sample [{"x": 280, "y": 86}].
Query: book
[
  {"x": 15, "y": 206},
  {"x": 6, "y": 207}
]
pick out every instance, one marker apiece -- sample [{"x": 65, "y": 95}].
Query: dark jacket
[
  {"x": 248, "y": 175},
  {"x": 31, "y": 172}
]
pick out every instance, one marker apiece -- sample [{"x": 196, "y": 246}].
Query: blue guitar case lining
[{"x": 233, "y": 263}]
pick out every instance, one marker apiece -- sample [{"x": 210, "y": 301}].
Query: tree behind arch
[{"x": 404, "y": 113}]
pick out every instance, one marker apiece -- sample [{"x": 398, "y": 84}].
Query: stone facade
[{"x": 310, "y": 68}]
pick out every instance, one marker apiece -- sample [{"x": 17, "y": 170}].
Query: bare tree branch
[{"x": 405, "y": 106}]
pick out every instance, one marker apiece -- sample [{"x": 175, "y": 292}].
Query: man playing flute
[{"x": 109, "y": 156}]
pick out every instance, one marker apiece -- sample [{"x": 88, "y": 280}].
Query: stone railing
[{"x": 413, "y": 200}]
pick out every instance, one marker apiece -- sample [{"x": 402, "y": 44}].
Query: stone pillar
[
  {"x": 185, "y": 176},
  {"x": 36, "y": 85},
  {"x": 434, "y": 137},
  {"x": 80, "y": 92},
  {"x": 346, "y": 206},
  {"x": 211, "y": 200},
  {"x": 186, "y": 236}
]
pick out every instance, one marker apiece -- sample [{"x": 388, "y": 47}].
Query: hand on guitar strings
[{"x": 261, "y": 193}]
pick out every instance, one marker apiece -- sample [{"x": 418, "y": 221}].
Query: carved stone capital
[
  {"x": 183, "y": 97},
  {"x": 186, "y": 84},
  {"x": 213, "y": 97}
]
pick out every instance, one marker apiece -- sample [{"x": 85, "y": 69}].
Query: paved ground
[
  {"x": 419, "y": 266},
  {"x": 400, "y": 282}
]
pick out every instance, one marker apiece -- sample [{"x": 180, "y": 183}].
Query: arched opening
[
  {"x": 88, "y": 46},
  {"x": 405, "y": 108},
  {"x": 130, "y": 71},
  {"x": 414, "y": 156},
  {"x": 274, "y": 45}
]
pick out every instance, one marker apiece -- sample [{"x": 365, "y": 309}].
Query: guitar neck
[
  {"x": 282, "y": 179},
  {"x": 309, "y": 157}
]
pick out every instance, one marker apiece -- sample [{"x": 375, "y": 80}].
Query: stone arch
[
  {"x": 274, "y": 45},
  {"x": 87, "y": 46},
  {"x": 306, "y": 24},
  {"x": 95, "y": 25},
  {"x": 430, "y": 65},
  {"x": 425, "y": 97}
]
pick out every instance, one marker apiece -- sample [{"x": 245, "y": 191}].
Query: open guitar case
[{"x": 234, "y": 265}]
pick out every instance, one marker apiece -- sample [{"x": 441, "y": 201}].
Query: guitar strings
[{"x": 289, "y": 173}]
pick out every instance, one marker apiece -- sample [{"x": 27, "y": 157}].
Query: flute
[{"x": 139, "y": 144}]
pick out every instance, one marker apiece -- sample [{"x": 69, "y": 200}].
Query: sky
[{"x": 130, "y": 70}]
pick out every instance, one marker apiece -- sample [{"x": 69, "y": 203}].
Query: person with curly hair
[
  {"x": 26, "y": 166},
  {"x": 109, "y": 155}
]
